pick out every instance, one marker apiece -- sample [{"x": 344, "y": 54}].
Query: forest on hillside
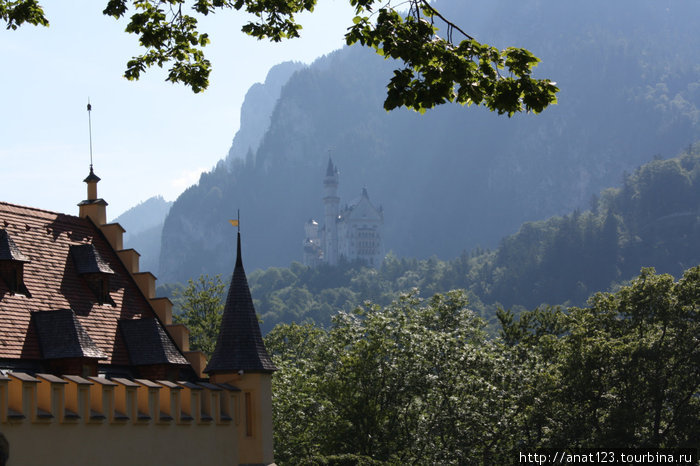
[{"x": 652, "y": 220}]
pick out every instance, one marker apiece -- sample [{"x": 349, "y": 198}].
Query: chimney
[{"x": 93, "y": 207}]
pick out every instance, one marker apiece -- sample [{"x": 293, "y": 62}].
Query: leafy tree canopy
[
  {"x": 419, "y": 381},
  {"x": 436, "y": 68},
  {"x": 200, "y": 307}
]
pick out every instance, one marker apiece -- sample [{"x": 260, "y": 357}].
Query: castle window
[
  {"x": 248, "y": 415},
  {"x": 12, "y": 265},
  {"x": 66, "y": 347}
]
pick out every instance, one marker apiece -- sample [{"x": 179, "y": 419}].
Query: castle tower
[
  {"x": 331, "y": 202},
  {"x": 240, "y": 359}
]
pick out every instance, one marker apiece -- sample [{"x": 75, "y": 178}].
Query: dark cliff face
[
  {"x": 257, "y": 109},
  {"x": 456, "y": 178}
]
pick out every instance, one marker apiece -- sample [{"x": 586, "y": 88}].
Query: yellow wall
[
  {"x": 94, "y": 421},
  {"x": 257, "y": 448}
]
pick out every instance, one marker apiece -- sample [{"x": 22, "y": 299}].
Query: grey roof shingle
[
  {"x": 88, "y": 260},
  {"x": 61, "y": 336},
  {"x": 239, "y": 345},
  {"x": 148, "y": 343}
]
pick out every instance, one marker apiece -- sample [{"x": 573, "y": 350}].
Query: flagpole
[{"x": 237, "y": 222}]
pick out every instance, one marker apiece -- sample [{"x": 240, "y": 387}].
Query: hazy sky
[{"x": 149, "y": 137}]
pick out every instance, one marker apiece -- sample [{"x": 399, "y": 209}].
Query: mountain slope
[
  {"x": 144, "y": 226},
  {"x": 456, "y": 178}
]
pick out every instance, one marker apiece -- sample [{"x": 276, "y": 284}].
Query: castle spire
[{"x": 330, "y": 170}]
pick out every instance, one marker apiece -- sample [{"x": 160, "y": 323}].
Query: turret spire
[
  {"x": 330, "y": 170},
  {"x": 239, "y": 346}
]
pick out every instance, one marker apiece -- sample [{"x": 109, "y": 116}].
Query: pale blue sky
[{"x": 149, "y": 137}]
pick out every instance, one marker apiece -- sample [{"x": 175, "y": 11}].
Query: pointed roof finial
[
  {"x": 237, "y": 222},
  {"x": 239, "y": 256},
  {"x": 330, "y": 171}
]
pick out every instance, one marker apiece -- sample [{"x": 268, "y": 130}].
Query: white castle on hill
[{"x": 353, "y": 233}]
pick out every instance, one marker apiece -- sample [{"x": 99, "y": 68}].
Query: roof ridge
[{"x": 36, "y": 209}]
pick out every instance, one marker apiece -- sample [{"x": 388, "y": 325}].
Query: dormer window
[
  {"x": 99, "y": 285},
  {"x": 150, "y": 349},
  {"x": 94, "y": 270},
  {"x": 12, "y": 265},
  {"x": 65, "y": 345}
]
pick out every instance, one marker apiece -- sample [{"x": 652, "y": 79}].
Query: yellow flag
[{"x": 234, "y": 222}]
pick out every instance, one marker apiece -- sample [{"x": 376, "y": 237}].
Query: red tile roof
[{"x": 51, "y": 277}]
